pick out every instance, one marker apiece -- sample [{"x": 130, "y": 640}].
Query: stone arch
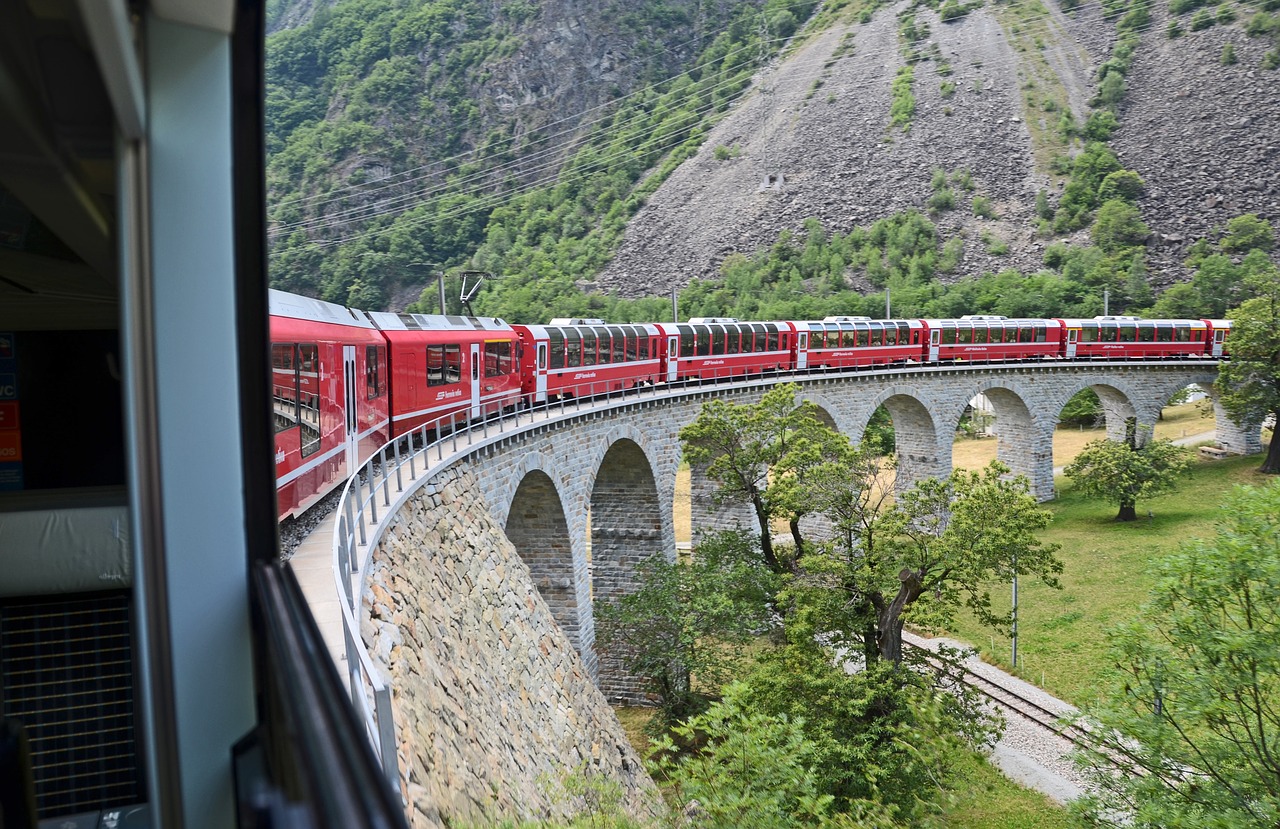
[
  {"x": 922, "y": 452},
  {"x": 1024, "y": 434},
  {"x": 627, "y": 527},
  {"x": 827, "y": 410},
  {"x": 537, "y": 527}
]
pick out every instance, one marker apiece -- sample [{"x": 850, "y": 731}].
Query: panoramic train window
[
  {"x": 733, "y": 339},
  {"x": 702, "y": 342},
  {"x": 588, "y": 348},
  {"x": 619, "y": 345},
  {"x": 557, "y": 347},
  {"x": 717, "y": 341},
  {"x": 572, "y": 349},
  {"x": 1146, "y": 334},
  {"x": 284, "y": 386},
  {"x": 771, "y": 341}
]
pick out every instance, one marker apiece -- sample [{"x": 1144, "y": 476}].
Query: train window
[
  {"x": 1042, "y": 333},
  {"x": 572, "y": 353},
  {"x": 847, "y": 338},
  {"x": 717, "y": 340},
  {"x": 374, "y": 359},
  {"x": 1089, "y": 333},
  {"x": 497, "y": 358},
  {"x": 1184, "y": 333},
  {"x": 444, "y": 364},
  {"x": 284, "y": 386},
  {"x": 733, "y": 340},
  {"x": 760, "y": 340},
  {"x": 631, "y": 347},
  {"x": 702, "y": 342},
  {"x": 557, "y": 348},
  {"x": 862, "y": 336},
  {"x": 1146, "y": 333},
  {"x": 1128, "y": 333},
  {"x": 891, "y": 335},
  {"x": 687, "y": 344},
  {"x": 980, "y": 334},
  {"x": 948, "y": 336},
  {"x": 309, "y": 357},
  {"x": 588, "y": 348},
  {"x": 619, "y": 352},
  {"x": 771, "y": 341},
  {"x": 1107, "y": 333},
  {"x": 904, "y": 334},
  {"x": 1164, "y": 333}
]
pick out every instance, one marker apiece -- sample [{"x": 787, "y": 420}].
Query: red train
[{"x": 424, "y": 369}]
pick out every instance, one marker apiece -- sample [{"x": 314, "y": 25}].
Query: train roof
[
  {"x": 541, "y": 330},
  {"x": 1113, "y": 320},
  {"x": 293, "y": 306},
  {"x": 387, "y": 321},
  {"x": 990, "y": 319}
]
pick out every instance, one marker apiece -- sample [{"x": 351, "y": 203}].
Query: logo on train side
[
  {"x": 449, "y": 395},
  {"x": 8, "y": 387}
]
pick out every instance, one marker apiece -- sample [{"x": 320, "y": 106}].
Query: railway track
[{"x": 1006, "y": 698}]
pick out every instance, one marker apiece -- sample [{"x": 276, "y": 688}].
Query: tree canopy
[
  {"x": 1249, "y": 383},
  {"x": 1120, "y": 473},
  {"x": 1195, "y": 712}
]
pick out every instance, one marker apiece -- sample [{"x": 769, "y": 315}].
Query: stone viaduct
[{"x": 584, "y": 498}]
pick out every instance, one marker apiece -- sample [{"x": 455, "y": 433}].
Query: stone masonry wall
[{"x": 494, "y": 708}]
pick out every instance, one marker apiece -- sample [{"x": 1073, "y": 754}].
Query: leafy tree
[
  {"x": 739, "y": 444},
  {"x": 1122, "y": 184},
  {"x": 1249, "y": 383},
  {"x": 1083, "y": 409},
  {"x": 684, "y": 628},
  {"x": 752, "y": 769},
  {"x": 1118, "y": 225},
  {"x": 921, "y": 555},
  {"x": 1248, "y": 232},
  {"x": 1118, "y": 472},
  {"x": 1195, "y": 709}
]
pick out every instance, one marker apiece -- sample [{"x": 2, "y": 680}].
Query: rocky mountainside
[{"x": 815, "y": 140}]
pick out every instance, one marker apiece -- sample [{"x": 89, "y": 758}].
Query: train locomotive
[{"x": 345, "y": 381}]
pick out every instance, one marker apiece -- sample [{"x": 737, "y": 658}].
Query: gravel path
[{"x": 1026, "y": 753}]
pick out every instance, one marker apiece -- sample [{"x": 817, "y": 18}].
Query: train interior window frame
[{"x": 284, "y": 422}]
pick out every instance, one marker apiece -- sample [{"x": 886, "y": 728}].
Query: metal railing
[{"x": 387, "y": 479}]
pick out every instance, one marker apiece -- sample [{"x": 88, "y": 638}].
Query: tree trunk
[
  {"x": 1128, "y": 512},
  {"x": 1271, "y": 465},
  {"x": 794, "y": 522},
  {"x": 766, "y": 536}
]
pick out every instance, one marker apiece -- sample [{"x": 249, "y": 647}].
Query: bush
[
  {"x": 982, "y": 207},
  {"x": 1174, "y": 31},
  {"x": 1201, "y": 20},
  {"x": 1228, "y": 57},
  {"x": 1100, "y": 125},
  {"x": 1118, "y": 225},
  {"x": 1122, "y": 184},
  {"x": 1226, "y": 14},
  {"x": 947, "y": 88},
  {"x": 1271, "y": 60}
]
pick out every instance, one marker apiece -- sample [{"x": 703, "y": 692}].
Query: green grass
[
  {"x": 1061, "y": 645},
  {"x": 986, "y": 799}
]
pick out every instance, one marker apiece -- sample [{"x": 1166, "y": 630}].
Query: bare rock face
[
  {"x": 814, "y": 139},
  {"x": 1204, "y": 137}
]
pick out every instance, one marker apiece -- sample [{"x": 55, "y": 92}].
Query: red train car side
[
  {"x": 851, "y": 342},
  {"x": 580, "y": 357},
  {"x": 448, "y": 366},
  {"x": 710, "y": 348},
  {"x": 329, "y": 396},
  {"x": 993, "y": 338},
  {"x": 1130, "y": 338}
]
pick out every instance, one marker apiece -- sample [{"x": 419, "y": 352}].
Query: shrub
[
  {"x": 982, "y": 207},
  {"x": 1118, "y": 225},
  {"x": 1271, "y": 60},
  {"x": 947, "y": 88},
  {"x": 1228, "y": 57},
  {"x": 1174, "y": 31},
  {"x": 1226, "y": 14},
  {"x": 944, "y": 199},
  {"x": 1122, "y": 184},
  {"x": 1100, "y": 125},
  {"x": 1201, "y": 20},
  {"x": 1043, "y": 209},
  {"x": 962, "y": 179}
]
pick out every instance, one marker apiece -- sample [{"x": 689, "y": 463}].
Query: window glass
[
  {"x": 761, "y": 338},
  {"x": 1107, "y": 333},
  {"x": 556, "y": 338},
  {"x": 373, "y": 361},
  {"x": 904, "y": 333},
  {"x": 771, "y": 341},
  {"x": 632, "y": 347},
  {"x": 1146, "y": 333},
  {"x": 497, "y": 359},
  {"x": 890, "y": 335},
  {"x": 1128, "y": 333},
  {"x": 1089, "y": 333},
  {"x": 1164, "y": 333},
  {"x": 1184, "y": 333},
  {"x": 687, "y": 340},
  {"x": 284, "y": 386},
  {"x": 309, "y": 397},
  {"x": 703, "y": 338},
  {"x": 732, "y": 339},
  {"x": 863, "y": 339},
  {"x": 618, "y": 353},
  {"x": 717, "y": 339},
  {"x": 1042, "y": 335},
  {"x": 980, "y": 334},
  {"x": 588, "y": 348},
  {"x": 572, "y": 349}
]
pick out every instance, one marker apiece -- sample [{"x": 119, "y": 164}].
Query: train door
[
  {"x": 1073, "y": 334},
  {"x": 351, "y": 422},
  {"x": 673, "y": 357},
  {"x": 802, "y": 349},
  {"x": 475, "y": 381},
  {"x": 1219, "y": 337},
  {"x": 935, "y": 340},
  {"x": 540, "y": 375}
]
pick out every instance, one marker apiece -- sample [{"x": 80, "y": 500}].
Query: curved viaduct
[{"x": 585, "y": 496}]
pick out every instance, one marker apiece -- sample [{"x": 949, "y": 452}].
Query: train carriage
[
  {"x": 978, "y": 338},
  {"x": 710, "y": 348},
  {"x": 328, "y": 396},
  {"x": 851, "y": 342},
  {"x": 583, "y": 357},
  {"x": 1125, "y": 337},
  {"x": 448, "y": 367}
]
